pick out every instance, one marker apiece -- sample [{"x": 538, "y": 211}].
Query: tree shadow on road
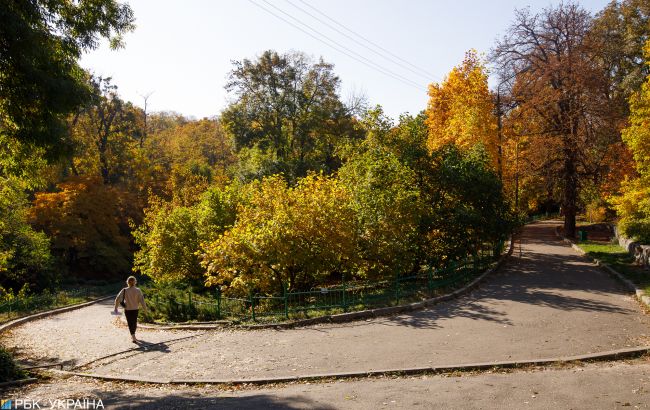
[
  {"x": 25, "y": 358},
  {"x": 254, "y": 401},
  {"x": 168, "y": 397},
  {"x": 557, "y": 281}
]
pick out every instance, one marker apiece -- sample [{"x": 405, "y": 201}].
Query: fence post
[
  {"x": 218, "y": 302},
  {"x": 252, "y": 300},
  {"x": 286, "y": 302},
  {"x": 475, "y": 261},
  {"x": 430, "y": 280},
  {"x": 345, "y": 300},
  {"x": 397, "y": 289}
]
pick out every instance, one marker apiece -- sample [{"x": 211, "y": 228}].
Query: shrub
[
  {"x": 9, "y": 370},
  {"x": 285, "y": 237}
]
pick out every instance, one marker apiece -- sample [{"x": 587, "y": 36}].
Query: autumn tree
[
  {"x": 173, "y": 234},
  {"x": 633, "y": 205},
  {"x": 197, "y": 147},
  {"x": 286, "y": 116},
  {"x": 84, "y": 219},
  {"x": 546, "y": 61},
  {"x": 461, "y": 110}
]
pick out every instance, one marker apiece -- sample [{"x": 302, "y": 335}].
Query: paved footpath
[{"x": 545, "y": 302}]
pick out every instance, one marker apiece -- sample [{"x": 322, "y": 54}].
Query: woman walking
[{"x": 131, "y": 298}]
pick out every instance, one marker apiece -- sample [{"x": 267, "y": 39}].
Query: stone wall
[{"x": 640, "y": 252}]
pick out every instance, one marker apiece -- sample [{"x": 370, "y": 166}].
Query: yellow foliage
[
  {"x": 460, "y": 109},
  {"x": 285, "y": 236},
  {"x": 595, "y": 212},
  {"x": 633, "y": 206}
]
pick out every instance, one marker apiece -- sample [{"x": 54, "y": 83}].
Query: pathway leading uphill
[{"x": 545, "y": 302}]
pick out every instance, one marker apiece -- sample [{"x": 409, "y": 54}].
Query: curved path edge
[
  {"x": 40, "y": 315},
  {"x": 601, "y": 356},
  {"x": 343, "y": 317},
  {"x": 640, "y": 294}
]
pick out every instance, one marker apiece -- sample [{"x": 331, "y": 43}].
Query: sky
[{"x": 182, "y": 51}]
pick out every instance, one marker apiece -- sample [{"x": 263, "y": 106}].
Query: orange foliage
[
  {"x": 461, "y": 110},
  {"x": 87, "y": 228}
]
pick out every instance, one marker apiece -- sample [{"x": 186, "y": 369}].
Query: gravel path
[
  {"x": 592, "y": 386},
  {"x": 547, "y": 301}
]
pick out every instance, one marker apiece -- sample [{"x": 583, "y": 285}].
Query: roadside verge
[{"x": 640, "y": 294}]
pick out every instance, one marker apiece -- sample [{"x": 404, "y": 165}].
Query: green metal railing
[
  {"x": 347, "y": 296},
  {"x": 20, "y": 305}
]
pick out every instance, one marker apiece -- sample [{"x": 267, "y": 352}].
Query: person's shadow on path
[{"x": 145, "y": 346}]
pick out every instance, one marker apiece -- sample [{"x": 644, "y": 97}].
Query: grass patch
[
  {"x": 15, "y": 307},
  {"x": 616, "y": 257}
]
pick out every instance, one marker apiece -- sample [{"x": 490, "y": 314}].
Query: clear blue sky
[{"x": 182, "y": 50}]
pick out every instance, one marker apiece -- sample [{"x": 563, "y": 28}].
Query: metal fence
[
  {"x": 21, "y": 305},
  {"x": 347, "y": 296}
]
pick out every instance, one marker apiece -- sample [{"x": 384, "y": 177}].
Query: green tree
[
  {"x": 24, "y": 253},
  {"x": 620, "y": 31},
  {"x": 288, "y": 111},
  {"x": 40, "y": 79},
  {"x": 386, "y": 202},
  {"x": 106, "y": 134},
  {"x": 465, "y": 204}
]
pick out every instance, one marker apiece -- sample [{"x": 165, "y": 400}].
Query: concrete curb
[
  {"x": 640, "y": 294},
  {"x": 602, "y": 356},
  {"x": 40, "y": 315},
  {"x": 343, "y": 317}
]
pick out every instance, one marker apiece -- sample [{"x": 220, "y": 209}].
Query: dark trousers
[{"x": 132, "y": 319}]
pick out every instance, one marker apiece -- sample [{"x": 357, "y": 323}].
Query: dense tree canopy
[{"x": 40, "y": 80}]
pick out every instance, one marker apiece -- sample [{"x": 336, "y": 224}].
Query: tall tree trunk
[
  {"x": 570, "y": 189},
  {"x": 569, "y": 206}
]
